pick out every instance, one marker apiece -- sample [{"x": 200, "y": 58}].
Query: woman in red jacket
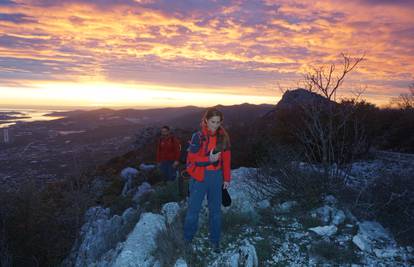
[{"x": 208, "y": 163}]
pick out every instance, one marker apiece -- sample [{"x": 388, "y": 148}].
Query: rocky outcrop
[
  {"x": 327, "y": 230},
  {"x": 143, "y": 189},
  {"x": 244, "y": 256},
  {"x": 373, "y": 238},
  {"x": 329, "y": 215},
  {"x": 283, "y": 237},
  {"x": 128, "y": 174},
  {"x": 241, "y": 192},
  {"x": 294, "y": 98},
  {"x": 140, "y": 243},
  {"x": 99, "y": 234},
  {"x": 286, "y": 207},
  {"x": 170, "y": 211}
]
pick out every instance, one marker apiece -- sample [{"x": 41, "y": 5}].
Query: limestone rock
[
  {"x": 286, "y": 207},
  {"x": 170, "y": 211},
  {"x": 338, "y": 217},
  {"x": 373, "y": 238},
  {"x": 328, "y": 230},
  {"x": 244, "y": 256},
  {"x": 180, "y": 263},
  {"x": 141, "y": 242},
  {"x": 264, "y": 204},
  {"x": 100, "y": 234},
  {"x": 143, "y": 189},
  {"x": 329, "y": 215}
]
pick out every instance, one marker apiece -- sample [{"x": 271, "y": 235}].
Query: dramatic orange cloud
[{"x": 230, "y": 49}]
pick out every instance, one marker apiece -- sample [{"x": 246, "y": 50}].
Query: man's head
[{"x": 165, "y": 131}]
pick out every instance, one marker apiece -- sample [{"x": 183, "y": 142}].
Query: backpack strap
[{"x": 196, "y": 142}]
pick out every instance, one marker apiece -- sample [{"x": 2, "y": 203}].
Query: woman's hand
[
  {"x": 226, "y": 185},
  {"x": 214, "y": 157}
]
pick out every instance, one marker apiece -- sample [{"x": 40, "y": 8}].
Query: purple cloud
[
  {"x": 388, "y": 2},
  {"x": 6, "y": 2},
  {"x": 17, "y": 18}
]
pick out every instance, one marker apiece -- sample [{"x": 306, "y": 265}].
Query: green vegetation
[
  {"x": 170, "y": 242},
  {"x": 164, "y": 193},
  {"x": 264, "y": 250}
]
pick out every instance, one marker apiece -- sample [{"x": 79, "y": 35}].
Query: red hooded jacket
[
  {"x": 198, "y": 155},
  {"x": 168, "y": 148}
]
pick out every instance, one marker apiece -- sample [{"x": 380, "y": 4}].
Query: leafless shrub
[
  {"x": 390, "y": 199},
  {"x": 326, "y": 80},
  {"x": 405, "y": 100},
  {"x": 328, "y": 134},
  {"x": 281, "y": 176},
  {"x": 331, "y": 134}
]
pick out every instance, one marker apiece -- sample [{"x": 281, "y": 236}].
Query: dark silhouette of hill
[
  {"x": 181, "y": 117},
  {"x": 293, "y": 99}
]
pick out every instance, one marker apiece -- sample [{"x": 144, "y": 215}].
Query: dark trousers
[
  {"x": 168, "y": 171},
  {"x": 211, "y": 186}
]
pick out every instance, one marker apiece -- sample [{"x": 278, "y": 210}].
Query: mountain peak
[{"x": 299, "y": 96}]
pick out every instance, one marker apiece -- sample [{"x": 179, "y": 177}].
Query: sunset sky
[{"x": 176, "y": 53}]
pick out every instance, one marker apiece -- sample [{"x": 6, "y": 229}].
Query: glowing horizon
[
  {"x": 118, "y": 95},
  {"x": 202, "y": 53}
]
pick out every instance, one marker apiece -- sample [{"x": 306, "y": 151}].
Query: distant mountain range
[{"x": 181, "y": 117}]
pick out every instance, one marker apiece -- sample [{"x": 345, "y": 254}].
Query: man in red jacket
[{"x": 168, "y": 154}]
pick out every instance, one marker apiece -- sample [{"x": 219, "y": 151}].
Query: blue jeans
[
  {"x": 167, "y": 169},
  {"x": 211, "y": 186}
]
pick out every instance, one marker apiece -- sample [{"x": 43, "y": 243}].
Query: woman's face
[{"x": 213, "y": 123}]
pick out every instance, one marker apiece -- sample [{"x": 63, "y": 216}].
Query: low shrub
[
  {"x": 170, "y": 242},
  {"x": 334, "y": 253},
  {"x": 233, "y": 221},
  {"x": 162, "y": 194},
  {"x": 264, "y": 250},
  {"x": 282, "y": 176},
  {"x": 390, "y": 200}
]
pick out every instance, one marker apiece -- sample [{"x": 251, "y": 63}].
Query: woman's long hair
[{"x": 223, "y": 138}]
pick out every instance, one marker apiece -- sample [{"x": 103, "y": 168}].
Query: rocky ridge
[{"x": 255, "y": 233}]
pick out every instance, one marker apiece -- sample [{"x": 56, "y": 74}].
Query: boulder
[
  {"x": 338, "y": 217},
  {"x": 143, "y": 189},
  {"x": 328, "y": 230},
  {"x": 286, "y": 207},
  {"x": 128, "y": 174},
  {"x": 329, "y": 215},
  {"x": 244, "y": 256},
  {"x": 100, "y": 234},
  {"x": 248, "y": 255},
  {"x": 373, "y": 238},
  {"x": 241, "y": 192},
  {"x": 323, "y": 214},
  {"x": 170, "y": 211},
  {"x": 180, "y": 263},
  {"x": 138, "y": 248}
]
